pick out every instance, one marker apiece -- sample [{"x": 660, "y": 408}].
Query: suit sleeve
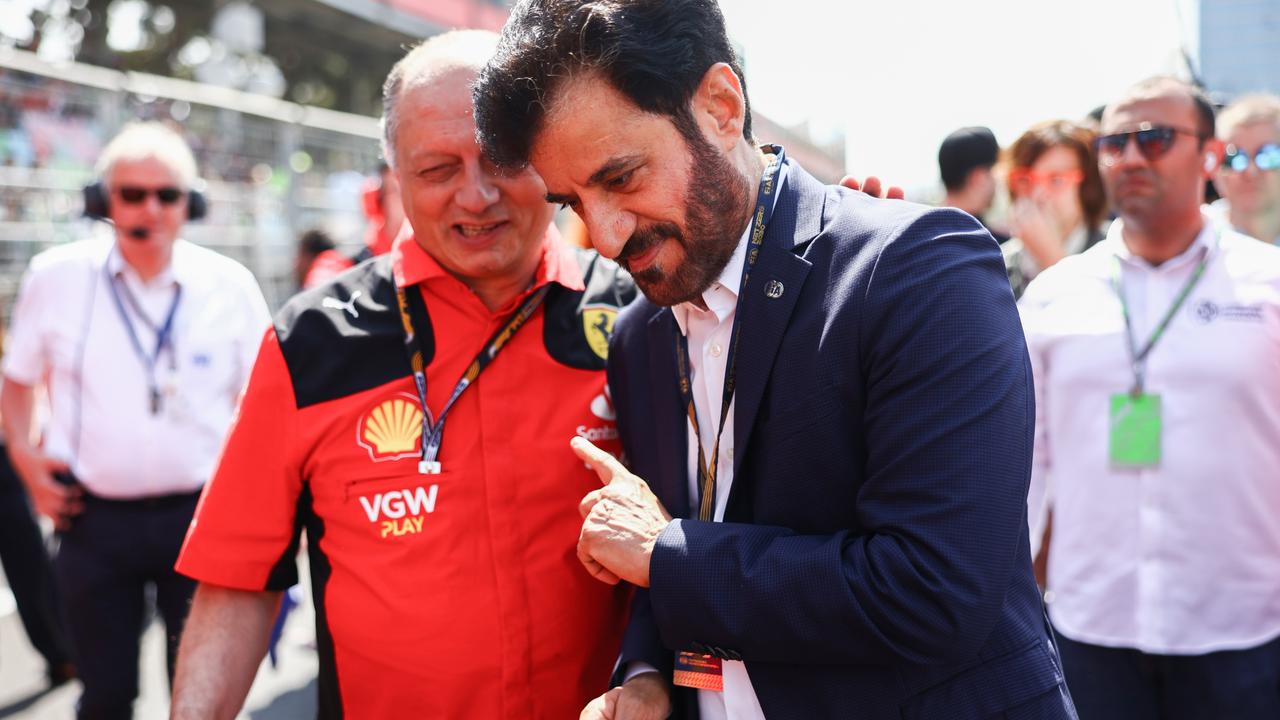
[
  {"x": 942, "y": 509},
  {"x": 641, "y": 641}
]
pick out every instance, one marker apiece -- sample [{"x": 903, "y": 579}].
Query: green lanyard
[
  {"x": 707, "y": 470},
  {"x": 1137, "y": 357}
]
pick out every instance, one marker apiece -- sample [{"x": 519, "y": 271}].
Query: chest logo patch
[
  {"x": 597, "y": 327},
  {"x": 400, "y": 512},
  {"x": 391, "y": 429}
]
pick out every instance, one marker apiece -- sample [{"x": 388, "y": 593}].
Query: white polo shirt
[
  {"x": 1184, "y": 557},
  {"x": 68, "y": 333}
]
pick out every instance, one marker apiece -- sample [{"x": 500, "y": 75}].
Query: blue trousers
[
  {"x": 1123, "y": 684},
  {"x": 113, "y": 551}
]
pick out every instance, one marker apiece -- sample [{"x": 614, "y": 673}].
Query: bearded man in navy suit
[{"x": 827, "y": 396}]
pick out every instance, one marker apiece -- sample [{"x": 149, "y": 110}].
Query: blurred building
[
  {"x": 279, "y": 98},
  {"x": 1236, "y": 46}
]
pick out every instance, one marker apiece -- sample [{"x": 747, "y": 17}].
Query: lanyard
[
  {"x": 164, "y": 333},
  {"x": 432, "y": 436},
  {"x": 1139, "y": 357},
  {"x": 759, "y": 221}
]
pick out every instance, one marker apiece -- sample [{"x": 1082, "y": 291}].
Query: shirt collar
[
  {"x": 1204, "y": 241},
  {"x": 173, "y": 274},
  {"x": 411, "y": 264}
]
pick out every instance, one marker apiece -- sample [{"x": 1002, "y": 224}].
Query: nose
[
  {"x": 608, "y": 228},
  {"x": 479, "y": 189},
  {"x": 1130, "y": 154}
]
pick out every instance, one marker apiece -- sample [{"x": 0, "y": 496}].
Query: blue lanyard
[
  {"x": 164, "y": 333},
  {"x": 707, "y": 471}
]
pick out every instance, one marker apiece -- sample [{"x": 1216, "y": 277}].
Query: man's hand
[
  {"x": 621, "y": 521},
  {"x": 643, "y": 697},
  {"x": 51, "y": 498},
  {"x": 872, "y": 187}
]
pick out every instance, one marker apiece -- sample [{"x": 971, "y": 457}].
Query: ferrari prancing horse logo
[{"x": 597, "y": 327}]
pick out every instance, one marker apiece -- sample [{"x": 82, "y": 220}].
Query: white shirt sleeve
[
  {"x": 1039, "y": 497},
  {"x": 254, "y": 323},
  {"x": 26, "y": 358}
]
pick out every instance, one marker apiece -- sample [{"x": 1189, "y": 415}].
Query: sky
[{"x": 898, "y": 76}]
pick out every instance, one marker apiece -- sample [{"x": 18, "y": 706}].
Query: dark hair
[
  {"x": 1205, "y": 112},
  {"x": 1042, "y": 137},
  {"x": 315, "y": 241},
  {"x": 655, "y": 52},
  {"x": 964, "y": 151}
]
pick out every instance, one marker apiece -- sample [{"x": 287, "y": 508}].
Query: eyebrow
[{"x": 610, "y": 168}]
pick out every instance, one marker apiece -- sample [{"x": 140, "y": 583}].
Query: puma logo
[{"x": 348, "y": 306}]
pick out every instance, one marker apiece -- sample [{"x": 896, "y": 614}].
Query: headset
[{"x": 97, "y": 205}]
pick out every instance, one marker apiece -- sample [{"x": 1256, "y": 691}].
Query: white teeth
[{"x": 472, "y": 230}]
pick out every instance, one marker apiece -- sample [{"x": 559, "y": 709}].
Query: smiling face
[
  {"x": 664, "y": 203},
  {"x": 482, "y": 226},
  {"x": 1252, "y": 190}
]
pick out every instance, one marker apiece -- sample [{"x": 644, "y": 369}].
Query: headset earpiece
[
  {"x": 95, "y": 201},
  {"x": 197, "y": 206},
  {"x": 1210, "y": 161}
]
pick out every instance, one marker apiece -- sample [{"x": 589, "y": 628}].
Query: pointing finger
[{"x": 605, "y": 465}]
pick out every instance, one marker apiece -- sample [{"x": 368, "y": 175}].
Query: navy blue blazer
[{"x": 874, "y": 560}]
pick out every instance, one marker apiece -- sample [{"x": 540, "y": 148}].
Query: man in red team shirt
[{"x": 444, "y": 574}]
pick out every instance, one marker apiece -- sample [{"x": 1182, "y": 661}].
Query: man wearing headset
[{"x": 143, "y": 342}]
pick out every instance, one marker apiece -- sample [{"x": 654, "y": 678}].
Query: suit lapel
[
  {"x": 766, "y": 308},
  {"x": 670, "y": 424}
]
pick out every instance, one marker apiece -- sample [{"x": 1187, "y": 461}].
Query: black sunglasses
[
  {"x": 1153, "y": 142},
  {"x": 1266, "y": 157},
  {"x": 132, "y": 195}
]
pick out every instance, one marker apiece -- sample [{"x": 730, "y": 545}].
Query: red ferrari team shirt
[{"x": 451, "y": 595}]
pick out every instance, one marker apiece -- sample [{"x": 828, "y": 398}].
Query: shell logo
[{"x": 392, "y": 429}]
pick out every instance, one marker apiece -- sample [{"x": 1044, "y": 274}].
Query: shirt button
[{"x": 715, "y": 350}]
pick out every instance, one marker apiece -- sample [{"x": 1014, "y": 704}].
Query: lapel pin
[{"x": 773, "y": 290}]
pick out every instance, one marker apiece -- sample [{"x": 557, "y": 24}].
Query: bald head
[{"x": 428, "y": 63}]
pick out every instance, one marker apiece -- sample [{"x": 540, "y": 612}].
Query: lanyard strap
[
  {"x": 164, "y": 333},
  {"x": 707, "y": 471},
  {"x": 1139, "y": 357},
  {"x": 433, "y": 436}
]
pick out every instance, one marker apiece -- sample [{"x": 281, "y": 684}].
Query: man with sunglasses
[
  {"x": 1249, "y": 177},
  {"x": 142, "y": 342},
  {"x": 1156, "y": 356}
]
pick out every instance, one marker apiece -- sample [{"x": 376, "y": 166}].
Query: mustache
[{"x": 644, "y": 239}]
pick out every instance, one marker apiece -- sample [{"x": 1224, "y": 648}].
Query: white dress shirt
[
  {"x": 68, "y": 333},
  {"x": 1184, "y": 557},
  {"x": 708, "y": 332}
]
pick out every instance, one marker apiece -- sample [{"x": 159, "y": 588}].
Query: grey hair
[
  {"x": 1249, "y": 109},
  {"x": 149, "y": 140},
  {"x": 427, "y": 61}
]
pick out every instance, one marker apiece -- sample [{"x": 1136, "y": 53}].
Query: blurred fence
[{"x": 272, "y": 168}]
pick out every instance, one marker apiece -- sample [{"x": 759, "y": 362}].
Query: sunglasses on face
[
  {"x": 132, "y": 195},
  {"x": 1266, "y": 158},
  {"x": 1153, "y": 142},
  {"x": 1023, "y": 181}
]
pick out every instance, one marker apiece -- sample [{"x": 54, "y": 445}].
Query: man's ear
[
  {"x": 720, "y": 106},
  {"x": 1213, "y": 153}
]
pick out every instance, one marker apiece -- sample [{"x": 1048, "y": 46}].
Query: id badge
[
  {"x": 702, "y": 672},
  {"x": 1135, "y": 430}
]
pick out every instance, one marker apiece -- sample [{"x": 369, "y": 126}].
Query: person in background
[
  {"x": 1248, "y": 178},
  {"x": 1057, "y": 203},
  {"x": 966, "y": 160},
  {"x": 143, "y": 342},
  {"x": 384, "y": 213},
  {"x": 313, "y": 243},
  {"x": 1156, "y": 357}
]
